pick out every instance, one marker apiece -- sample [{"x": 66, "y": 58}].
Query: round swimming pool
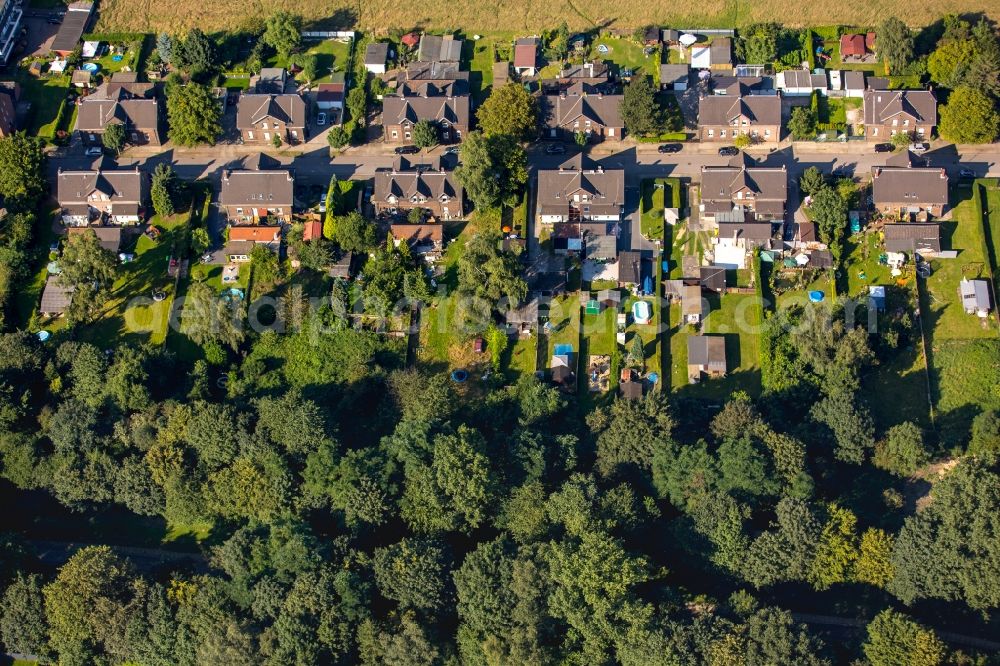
[{"x": 91, "y": 67}]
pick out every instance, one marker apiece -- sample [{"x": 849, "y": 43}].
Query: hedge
[
  {"x": 666, "y": 136},
  {"x": 114, "y": 37}
]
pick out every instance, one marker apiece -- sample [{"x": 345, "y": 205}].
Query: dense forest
[{"x": 364, "y": 512}]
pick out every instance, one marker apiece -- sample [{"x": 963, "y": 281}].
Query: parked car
[
  {"x": 321, "y": 118},
  {"x": 669, "y": 148},
  {"x": 555, "y": 149},
  {"x": 729, "y": 151},
  {"x": 407, "y": 150},
  {"x": 919, "y": 147},
  {"x": 967, "y": 173},
  {"x": 454, "y": 150},
  {"x": 94, "y": 152}
]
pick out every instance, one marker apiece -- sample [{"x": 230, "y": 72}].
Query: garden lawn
[
  {"x": 522, "y": 356},
  {"x": 332, "y": 57},
  {"x": 28, "y": 297},
  {"x": 145, "y": 321},
  {"x": 478, "y": 57},
  {"x": 991, "y": 192},
  {"x": 627, "y": 54},
  {"x": 45, "y": 94}
]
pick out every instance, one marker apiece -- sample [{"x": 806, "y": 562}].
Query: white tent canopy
[{"x": 687, "y": 39}]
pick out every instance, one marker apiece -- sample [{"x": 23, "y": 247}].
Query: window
[
  {"x": 767, "y": 132},
  {"x": 267, "y": 136},
  {"x": 406, "y": 135},
  {"x": 895, "y": 121},
  {"x": 874, "y": 131},
  {"x": 446, "y": 136},
  {"x": 395, "y": 134},
  {"x": 295, "y": 134},
  {"x": 920, "y": 130},
  {"x": 250, "y": 135},
  {"x": 239, "y": 211},
  {"x": 722, "y": 133},
  {"x": 745, "y": 122},
  {"x": 711, "y": 132},
  {"x": 611, "y": 131},
  {"x": 906, "y": 122}
]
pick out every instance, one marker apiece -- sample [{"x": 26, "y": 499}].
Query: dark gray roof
[
  {"x": 854, "y": 80},
  {"x": 271, "y": 80},
  {"x": 723, "y": 109},
  {"x": 439, "y": 48},
  {"x": 712, "y": 277},
  {"x": 580, "y": 102},
  {"x": 757, "y": 232},
  {"x": 707, "y": 350},
  {"x": 454, "y": 110},
  {"x": 629, "y": 267},
  {"x": 631, "y": 390},
  {"x": 376, "y": 53},
  {"x": 579, "y": 175},
  {"x": 55, "y": 297},
  {"x": 721, "y": 50},
  {"x": 883, "y": 105},
  {"x": 916, "y": 185},
  {"x": 525, "y": 313},
  {"x": 674, "y": 73},
  {"x": 265, "y": 189},
  {"x": 253, "y": 108},
  {"x": 110, "y": 238},
  {"x": 416, "y": 183},
  {"x": 73, "y": 25},
  {"x": 113, "y": 102},
  {"x": 120, "y": 187},
  {"x": 721, "y": 185},
  {"x": 601, "y": 247},
  {"x": 912, "y": 237}
]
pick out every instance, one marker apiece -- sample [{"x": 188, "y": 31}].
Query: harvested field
[{"x": 520, "y": 15}]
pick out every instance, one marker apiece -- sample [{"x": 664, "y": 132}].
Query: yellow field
[{"x": 522, "y": 15}]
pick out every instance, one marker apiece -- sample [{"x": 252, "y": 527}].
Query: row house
[
  {"x": 242, "y": 240},
  {"x": 257, "y": 196},
  {"x": 448, "y": 111},
  {"x": 116, "y": 102},
  {"x": 580, "y": 191},
  {"x": 261, "y": 117},
  {"x": 582, "y": 108},
  {"x": 98, "y": 196},
  {"x": 724, "y": 117},
  {"x": 889, "y": 112},
  {"x": 426, "y": 186},
  {"x": 743, "y": 185},
  {"x": 904, "y": 190}
]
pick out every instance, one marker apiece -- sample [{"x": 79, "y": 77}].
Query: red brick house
[{"x": 260, "y": 118}]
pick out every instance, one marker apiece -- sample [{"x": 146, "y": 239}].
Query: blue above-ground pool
[
  {"x": 459, "y": 376},
  {"x": 642, "y": 312},
  {"x": 91, "y": 67},
  {"x": 816, "y": 296},
  {"x": 43, "y": 336},
  {"x": 653, "y": 377}
]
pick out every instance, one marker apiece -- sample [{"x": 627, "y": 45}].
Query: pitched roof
[
  {"x": 7, "y": 114},
  {"x": 265, "y": 189},
  {"x": 73, "y": 24},
  {"x": 110, "y": 238},
  {"x": 852, "y": 45},
  {"x": 630, "y": 390},
  {"x": 629, "y": 267},
  {"x": 597, "y": 69},
  {"x": 912, "y": 237},
  {"x": 580, "y": 102},
  {"x": 120, "y": 187},
  {"x": 127, "y": 103},
  {"x": 252, "y": 108},
  {"x": 691, "y": 300},
  {"x": 439, "y": 48},
  {"x": 330, "y": 92},
  {"x": 418, "y": 234},
  {"x": 707, "y": 350},
  {"x": 526, "y": 52},
  {"x": 455, "y": 110},
  {"x": 56, "y": 297},
  {"x": 901, "y": 184},
  {"x": 433, "y": 71},
  {"x": 376, "y": 53},
  {"x": 720, "y": 185},
  {"x": 724, "y": 109},
  {"x": 416, "y": 183},
  {"x": 255, "y": 233},
  {"x": 883, "y": 105},
  {"x": 604, "y": 188},
  {"x": 271, "y": 80},
  {"x": 312, "y": 230},
  {"x": 721, "y": 50},
  {"x": 601, "y": 246},
  {"x": 712, "y": 277},
  {"x": 758, "y": 232}
]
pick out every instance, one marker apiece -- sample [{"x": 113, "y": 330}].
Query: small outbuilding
[
  {"x": 706, "y": 356},
  {"x": 975, "y": 297},
  {"x": 376, "y": 56},
  {"x": 691, "y": 304},
  {"x": 55, "y": 298}
]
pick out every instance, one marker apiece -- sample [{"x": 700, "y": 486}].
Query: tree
[
  {"x": 496, "y": 343},
  {"x": 162, "y": 190},
  {"x": 354, "y": 232},
  {"x": 985, "y": 433},
  {"x": 874, "y": 565},
  {"x": 948, "y": 65},
  {"x": 837, "y": 549},
  {"x": 23, "y": 627},
  {"x": 310, "y": 67},
  {"x": 633, "y": 433},
  {"x": 283, "y": 33},
  {"x": 89, "y": 269},
  {"x": 22, "y": 169},
  {"x": 970, "y": 116},
  {"x": 194, "y": 115},
  {"x": 510, "y": 109},
  {"x": 165, "y": 47},
  {"x": 637, "y": 352},
  {"x": 113, "y": 137},
  {"x": 276, "y": 141},
  {"x": 812, "y": 181},
  {"x": 338, "y": 137},
  {"x": 493, "y": 171},
  {"x": 829, "y": 211},
  {"x": 639, "y": 111},
  {"x": 902, "y": 452},
  {"x": 357, "y": 104},
  {"x": 901, "y": 140},
  {"x": 894, "y": 639},
  {"x": 196, "y": 54},
  {"x": 895, "y": 45},
  {"x": 84, "y": 605},
  {"x": 264, "y": 264},
  {"x": 488, "y": 272},
  {"x": 580, "y": 138},
  {"x": 414, "y": 572},
  {"x": 852, "y": 427},
  {"x": 416, "y": 215},
  {"x": 802, "y": 123},
  {"x": 209, "y": 318},
  {"x": 758, "y": 43},
  {"x": 425, "y": 134}
]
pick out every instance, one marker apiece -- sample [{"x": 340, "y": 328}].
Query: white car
[
  {"x": 94, "y": 152},
  {"x": 919, "y": 147},
  {"x": 321, "y": 118}
]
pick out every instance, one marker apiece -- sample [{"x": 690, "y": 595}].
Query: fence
[{"x": 328, "y": 34}]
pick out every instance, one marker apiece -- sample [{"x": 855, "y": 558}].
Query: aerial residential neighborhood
[{"x": 613, "y": 337}]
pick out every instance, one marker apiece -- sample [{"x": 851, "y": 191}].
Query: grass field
[{"x": 521, "y": 15}]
